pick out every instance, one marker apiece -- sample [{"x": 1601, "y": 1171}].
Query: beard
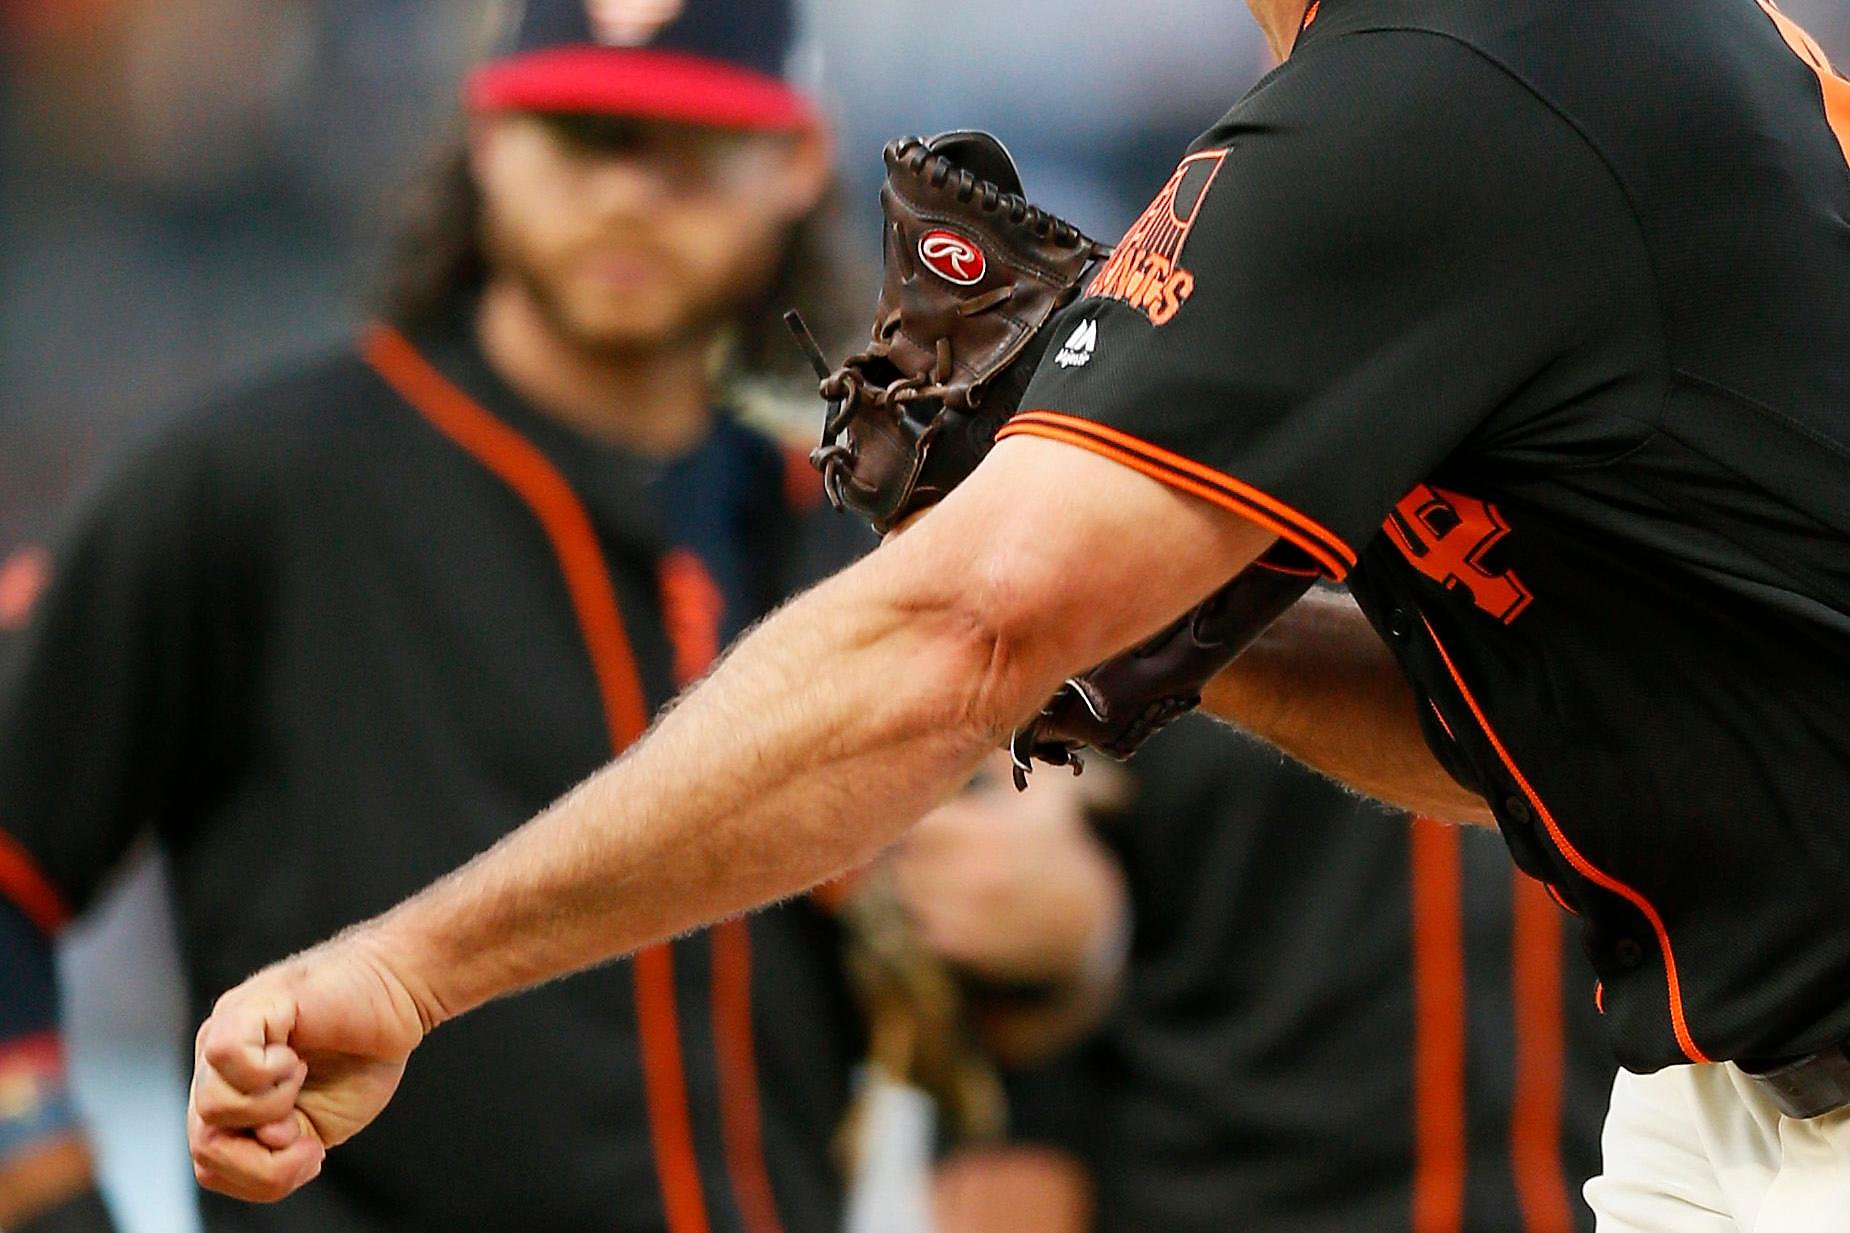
[{"x": 677, "y": 310}]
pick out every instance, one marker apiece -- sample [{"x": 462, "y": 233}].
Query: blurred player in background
[
  {"x": 333, "y": 634},
  {"x": 1280, "y": 929}
]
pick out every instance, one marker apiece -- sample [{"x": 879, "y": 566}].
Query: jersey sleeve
[
  {"x": 38, "y": 1109},
  {"x": 1340, "y": 284},
  {"x": 102, "y": 694}
]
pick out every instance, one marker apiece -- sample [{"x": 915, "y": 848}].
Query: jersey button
[
  {"x": 1518, "y": 809},
  {"x": 1627, "y": 953},
  {"x": 1400, "y": 624}
]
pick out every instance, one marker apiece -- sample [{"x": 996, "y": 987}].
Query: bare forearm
[
  {"x": 831, "y": 728},
  {"x": 760, "y": 783},
  {"x": 1321, "y": 687}
]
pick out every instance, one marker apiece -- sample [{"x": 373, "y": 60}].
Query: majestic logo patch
[
  {"x": 630, "y": 23},
  {"x": 1446, "y": 536},
  {"x": 1080, "y": 344},
  {"x": 952, "y": 257},
  {"x": 1146, "y": 271}
]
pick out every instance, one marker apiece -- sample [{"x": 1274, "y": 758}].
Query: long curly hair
[{"x": 435, "y": 259}]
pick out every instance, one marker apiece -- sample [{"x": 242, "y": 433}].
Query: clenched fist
[{"x": 295, "y": 1060}]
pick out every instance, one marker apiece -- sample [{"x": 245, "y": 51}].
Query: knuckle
[{"x": 219, "y": 1050}]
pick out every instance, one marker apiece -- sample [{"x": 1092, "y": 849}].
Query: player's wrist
[
  {"x": 410, "y": 967},
  {"x": 1254, "y": 692}
]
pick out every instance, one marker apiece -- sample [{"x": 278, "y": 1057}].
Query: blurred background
[{"x": 191, "y": 192}]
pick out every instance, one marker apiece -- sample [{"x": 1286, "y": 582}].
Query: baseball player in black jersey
[
  {"x": 1526, "y": 320},
  {"x": 338, "y": 631}
]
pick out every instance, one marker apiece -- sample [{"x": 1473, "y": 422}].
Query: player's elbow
[{"x": 1000, "y": 640}]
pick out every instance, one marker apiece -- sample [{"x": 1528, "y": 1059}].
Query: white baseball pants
[{"x": 1699, "y": 1149}]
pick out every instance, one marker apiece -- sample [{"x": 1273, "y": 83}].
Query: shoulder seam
[{"x": 1666, "y": 369}]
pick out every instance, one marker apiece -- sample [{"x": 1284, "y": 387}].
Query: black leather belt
[{"x": 1809, "y": 1087}]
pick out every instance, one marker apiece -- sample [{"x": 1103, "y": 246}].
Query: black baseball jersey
[
  {"x": 1532, "y": 320},
  {"x": 1332, "y": 1020},
  {"x": 337, "y": 634}
]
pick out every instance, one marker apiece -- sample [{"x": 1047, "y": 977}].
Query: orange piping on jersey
[
  {"x": 671, "y": 1128},
  {"x": 1161, "y": 474},
  {"x": 738, "y": 1077},
  {"x": 1190, "y": 476},
  {"x": 1439, "y": 1142},
  {"x": 562, "y": 516},
  {"x": 22, "y": 882},
  {"x": 1535, "y": 1107},
  {"x": 1554, "y": 893},
  {"x": 1447, "y": 728},
  {"x": 697, "y": 610},
  {"x": 515, "y": 461},
  {"x": 1264, "y": 500},
  {"x": 1836, "y": 89},
  {"x": 1273, "y": 567},
  {"x": 1581, "y": 864},
  {"x": 1599, "y": 996}
]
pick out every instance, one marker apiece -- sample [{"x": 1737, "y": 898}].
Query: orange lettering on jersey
[
  {"x": 1446, "y": 536},
  {"x": 1146, "y": 270},
  {"x": 693, "y": 607},
  {"x": 1836, "y": 89}
]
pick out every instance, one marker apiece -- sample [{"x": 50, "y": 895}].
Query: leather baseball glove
[
  {"x": 1126, "y": 700},
  {"x": 973, "y": 274}
]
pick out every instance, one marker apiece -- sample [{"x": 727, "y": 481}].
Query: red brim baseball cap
[
  {"x": 715, "y": 62},
  {"x": 649, "y": 84}
]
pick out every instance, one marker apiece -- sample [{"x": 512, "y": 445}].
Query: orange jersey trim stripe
[
  {"x": 1322, "y": 545},
  {"x": 561, "y": 515},
  {"x": 740, "y": 1119},
  {"x": 671, "y": 1126},
  {"x": 1124, "y": 458},
  {"x": 563, "y": 518},
  {"x": 1541, "y": 1064},
  {"x": 24, "y": 884},
  {"x": 687, "y": 588},
  {"x": 1439, "y": 1119},
  {"x": 1581, "y": 864}
]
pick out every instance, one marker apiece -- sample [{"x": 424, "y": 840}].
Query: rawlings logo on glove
[
  {"x": 952, "y": 257},
  {"x": 973, "y": 275}
]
